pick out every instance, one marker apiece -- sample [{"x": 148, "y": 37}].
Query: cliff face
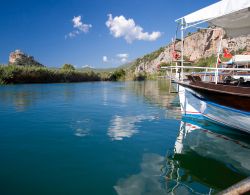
[
  {"x": 21, "y": 59},
  {"x": 198, "y": 45}
]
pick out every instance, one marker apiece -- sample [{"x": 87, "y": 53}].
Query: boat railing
[{"x": 207, "y": 74}]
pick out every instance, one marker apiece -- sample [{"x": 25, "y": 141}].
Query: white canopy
[
  {"x": 232, "y": 15},
  {"x": 241, "y": 59}
]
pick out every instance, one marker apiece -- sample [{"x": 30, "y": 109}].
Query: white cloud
[
  {"x": 105, "y": 59},
  {"x": 122, "y": 127},
  {"x": 78, "y": 24},
  {"x": 148, "y": 180},
  {"x": 82, "y": 127},
  {"x": 126, "y": 126},
  {"x": 119, "y": 26},
  {"x": 124, "y": 60},
  {"x": 117, "y": 59},
  {"x": 79, "y": 27},
  {"x": 123, "y": 57}
]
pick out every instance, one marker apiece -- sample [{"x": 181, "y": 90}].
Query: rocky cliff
[
  {"x": 21, "y": 59},
  {"x": 201, "y": 44}
]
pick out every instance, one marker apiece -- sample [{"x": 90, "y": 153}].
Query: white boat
[
  {"x": 193, "y": 104},
  {"x": 225, "y": 102}
]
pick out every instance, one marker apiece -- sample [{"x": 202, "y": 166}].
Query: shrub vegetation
[
  {"x": 118, "y": 75},
  {"x": 32, "y": 74},
  {"x": 68, "y": 67}
]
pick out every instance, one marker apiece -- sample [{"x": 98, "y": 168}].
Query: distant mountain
[
  {"x": 88, "y": 69},
  {"x": 87, "y": 66}
]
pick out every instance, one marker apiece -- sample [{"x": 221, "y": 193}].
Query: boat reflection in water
[{"x": 207, "y": 158}]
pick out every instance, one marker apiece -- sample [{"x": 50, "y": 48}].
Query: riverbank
[{"x": 13, "y": 74}]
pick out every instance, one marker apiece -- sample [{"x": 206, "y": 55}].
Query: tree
[
  {"x": 27, "y": 61},
  {"x": 118, "y": 75},
  {"x": 68, "y": 67}
]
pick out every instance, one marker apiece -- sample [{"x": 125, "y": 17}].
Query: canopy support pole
[
  {"x": 218, "y": 57},
  {"x": 182, "y": 47}
]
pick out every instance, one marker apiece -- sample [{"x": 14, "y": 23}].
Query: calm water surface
[{"x": 112, "y": 138}]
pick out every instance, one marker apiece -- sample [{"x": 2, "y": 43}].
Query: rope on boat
[{"x": 242, "y": 187}]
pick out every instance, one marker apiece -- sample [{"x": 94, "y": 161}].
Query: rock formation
[
  {"x": 201, "y": 44},
  {"x": 21, "y": 59}
]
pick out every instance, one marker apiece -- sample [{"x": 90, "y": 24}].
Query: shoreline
[{"x": 15, "y": 74}]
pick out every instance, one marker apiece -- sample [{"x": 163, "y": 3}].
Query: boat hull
[{"x": 194, "y": 105}]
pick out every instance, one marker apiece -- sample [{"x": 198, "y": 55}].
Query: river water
[{"x": 112, "y": 138}]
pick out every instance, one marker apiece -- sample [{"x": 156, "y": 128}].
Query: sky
[{"x": 96, "y": 33}]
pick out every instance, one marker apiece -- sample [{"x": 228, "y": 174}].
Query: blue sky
[{"x": 99, "y": 33}]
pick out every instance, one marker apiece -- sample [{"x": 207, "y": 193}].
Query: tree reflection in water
[
  {"x": 25, "y": 95},
  {"x": 19, "y": 98},
  {"x": 159, "y": 93}
]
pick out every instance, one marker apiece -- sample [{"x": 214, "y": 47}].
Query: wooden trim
[{"x": 225, "y": 95}]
